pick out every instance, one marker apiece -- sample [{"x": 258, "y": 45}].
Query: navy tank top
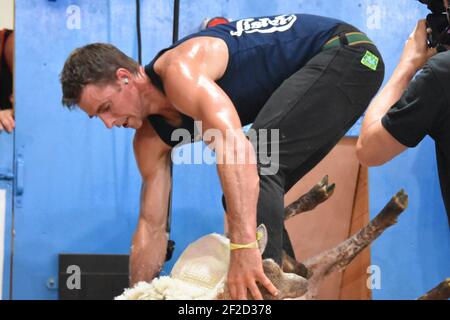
[{"x": 263, "y": 52}]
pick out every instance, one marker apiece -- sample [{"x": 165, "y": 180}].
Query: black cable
[
  {"x": 176, "y": 20},
  {"x": 171, "y": 243},
  {"x": 138, "y": 30}
]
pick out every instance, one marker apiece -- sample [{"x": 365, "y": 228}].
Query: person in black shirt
[
  {"x": 6, "y": 80},
  {"x": 409, "y": 109}
]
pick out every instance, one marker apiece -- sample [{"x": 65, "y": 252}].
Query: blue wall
[
  {"x": 413, "y": 256},
  {"x": 81, "y": 183},
  {"x": 81, "y": 186}
]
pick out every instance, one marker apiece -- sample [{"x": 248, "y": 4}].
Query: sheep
[{"x": 201, "y": 271}]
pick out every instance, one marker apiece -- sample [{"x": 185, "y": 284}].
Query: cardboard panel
[
  {"x": 328, "y": 224},
  {"x": 355, "y": 276}
]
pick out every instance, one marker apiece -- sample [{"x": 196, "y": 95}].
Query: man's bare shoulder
[{"x": 209, "y": 52}]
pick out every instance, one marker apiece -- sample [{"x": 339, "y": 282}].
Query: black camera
[{"x": 438, "y": 22}]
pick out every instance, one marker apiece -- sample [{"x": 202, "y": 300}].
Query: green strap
[{"x": 353, "y": 38}]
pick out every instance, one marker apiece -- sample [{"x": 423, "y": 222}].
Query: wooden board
[{"x": 331, "y": 222}]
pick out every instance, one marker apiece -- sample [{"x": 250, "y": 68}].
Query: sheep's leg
[
  {"x": 321, "y": 192},
  {"x": 290, "y": 265},
  {"x": 289, "y": 285},
  {"x": 441, "y": 292},
  {"x": 318, "y": 194},
  {"x": 336, "y": 259},
  {"x": 340, "y": 256}
]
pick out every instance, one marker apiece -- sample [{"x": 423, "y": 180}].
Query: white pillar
[{"x": 7, "y": 14}]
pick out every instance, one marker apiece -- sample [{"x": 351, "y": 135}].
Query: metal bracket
[
  {"x": 51, "y": 283},
  {"x": 19, "y": 180},
  {"x": 7, "y": 176}
]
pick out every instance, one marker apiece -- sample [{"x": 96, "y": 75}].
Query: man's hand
[
  {"x": 245, "y": 271},
  {"x": 7, "y": 120},
  {"x": 416, "y": 52}
]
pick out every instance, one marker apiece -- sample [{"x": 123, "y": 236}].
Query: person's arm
[
  {"x": 148, "y": 251},
  {"x": 9, "y": 52},
  {"x": 191, "y": 88},
  {"x": 376, "y": 145},
  {"x": 7, "y": 116}
]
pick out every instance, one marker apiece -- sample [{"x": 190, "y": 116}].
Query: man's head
[{"x": 99, "y": 78}]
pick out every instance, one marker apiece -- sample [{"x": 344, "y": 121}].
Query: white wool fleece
[{"x": 199, "y": 274}]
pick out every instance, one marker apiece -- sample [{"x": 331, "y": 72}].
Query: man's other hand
[{"x": 416, "y": 52}]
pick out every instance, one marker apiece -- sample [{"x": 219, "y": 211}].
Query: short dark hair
[{"x": 93, "y": 63}]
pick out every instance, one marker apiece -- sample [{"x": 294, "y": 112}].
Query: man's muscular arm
[
  {"x": 189, "y": 84},
  {"x": 148, "y": 251}
]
